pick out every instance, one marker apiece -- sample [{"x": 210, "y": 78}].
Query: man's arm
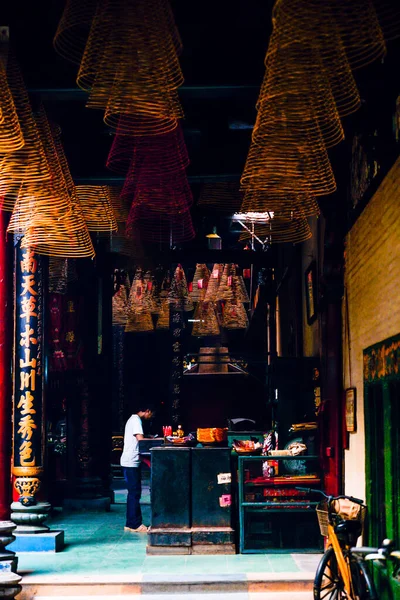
[{"x": 139, "y": 436}]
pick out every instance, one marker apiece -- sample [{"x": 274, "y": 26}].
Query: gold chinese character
[
  {"x": 70, "y": 336},
  {"x": 28, "y": 264},
  {"x": 26, "y": 338},
  {"x": 27, "y": 378},
  {"x": 26, "y": 402},
  {"x": 70, "y": 306},
  {"x": 26, "y": 426},
  {"x": 25, "y": 453},
  {"x": 28, "y": 285},
  {"x": 28, "y": 306},
  {"x": 28, "y": 361}
]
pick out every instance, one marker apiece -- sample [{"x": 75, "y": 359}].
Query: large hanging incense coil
[
  {"x": 178, "y": 295},
  {"x": 96, "y": 208},
  {"x": 139, "y": 323},
  {"x": 11, "y": 136},
  {"x": 355, "y": 23},
  {"x": 28, "y": 164},
  {"x": 234, "y": 315},
  {"x": 225, "y": 291},
  {"x": 73, "y": 29},
  {"x": 120, "y": 306},
  {"x": 156, "y": 227},
  {"x": 288, "y": 160},
  {"x": 120, "y": 208},
  {"x": 130, "y": 66},
  {"x": 213, "y": 283},
  {"x": 167, "y": 197},
  {"x": 200, "y": 282},
  {"x": 163, "y": 315},
  {"x": 46, "y": 214},
  {"x": 301, "y": 88},
  {"x": 205, "y": 321},
  {"x": 221, "y": 196},
  {"x": 279, "y": 231},
  {"x": 289, "y": 205},
  {"x": 150, "y": 156},
  {"x": 297, "y": 68}
]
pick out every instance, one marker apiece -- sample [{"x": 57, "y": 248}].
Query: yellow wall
[{"x": 372, "y": 283}]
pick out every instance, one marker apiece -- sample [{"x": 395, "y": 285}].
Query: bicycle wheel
[{"x": 329, "y": 585}]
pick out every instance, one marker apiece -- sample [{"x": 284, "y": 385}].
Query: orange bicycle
[{"x": 342, "y": 573}]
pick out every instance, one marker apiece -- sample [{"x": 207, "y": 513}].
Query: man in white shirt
[{"x": 130, "y": 462}]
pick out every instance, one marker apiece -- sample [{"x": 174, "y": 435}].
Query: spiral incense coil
[
  {"x": 225, "y": 291},
  {"x": 139, "y": 323},
  {"x": 11, "y": 135},
  {"x": 301, "y": 88},
  {"x": 73, "y": 29},
  {"x": 240, "y": 293},
  {"x": 213, "y": 283},
  {"x": 152, "y": 155},
  {"x": 163, "y": 315},
  {"x": 234, "y": 315},
  {"x": 286, "y": 163},
  {"x": 158, "y": 227},
  {"x": 169, "y": 200},
  {"x": 150, "y": 293},
  {"x": 205, "y": 321},
  {"x": 130, "y": 66},
  {"x": 289, "y": 205},
  {"x": 138, "y": 33},
  {"x": 279, "y": 231},
  {"x": 178, "y": 295},
  {"x": 28, "y": 164},
  {"x": 293, "y": 66},
  {"x": 45, "y": 213},
  {"x": 200, "y": 282},
  {"x": 120, "y": 306},
  {"x": 136, "y": 300},
  {"x": 96, "y": 208},
  {"x": 356, "y": 24},
  {"x": 120, "y": 208},
  {"x": 221, "y": 196}
]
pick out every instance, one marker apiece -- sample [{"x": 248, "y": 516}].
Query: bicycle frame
[{"x": 341, "y": 561}]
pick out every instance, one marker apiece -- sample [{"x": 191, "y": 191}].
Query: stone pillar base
[
  {"x": 8, "y": 560},
  {"x": 29, "y": 519},
  {"x": 50, "y": 541},
  {"x": 9, "y": 585}
]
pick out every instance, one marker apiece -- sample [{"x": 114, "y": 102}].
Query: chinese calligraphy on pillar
[
  {"x": 28, "y": 375},
  {"x": 177, "y": 325}
]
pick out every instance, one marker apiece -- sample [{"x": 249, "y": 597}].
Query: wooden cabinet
[{"x": 273, "y": 515}]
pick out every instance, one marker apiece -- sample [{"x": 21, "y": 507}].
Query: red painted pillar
[{"x": 5, "y": 375}]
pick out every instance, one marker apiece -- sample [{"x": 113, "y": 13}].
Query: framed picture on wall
[
  {"x": 310, "y": 280},
  {"x": 351, "y": 425}
]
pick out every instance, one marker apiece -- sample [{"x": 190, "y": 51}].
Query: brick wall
[{"x": 372, "y": 281}]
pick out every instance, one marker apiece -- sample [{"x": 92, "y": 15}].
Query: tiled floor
[{"x": 96, "y": 544}]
